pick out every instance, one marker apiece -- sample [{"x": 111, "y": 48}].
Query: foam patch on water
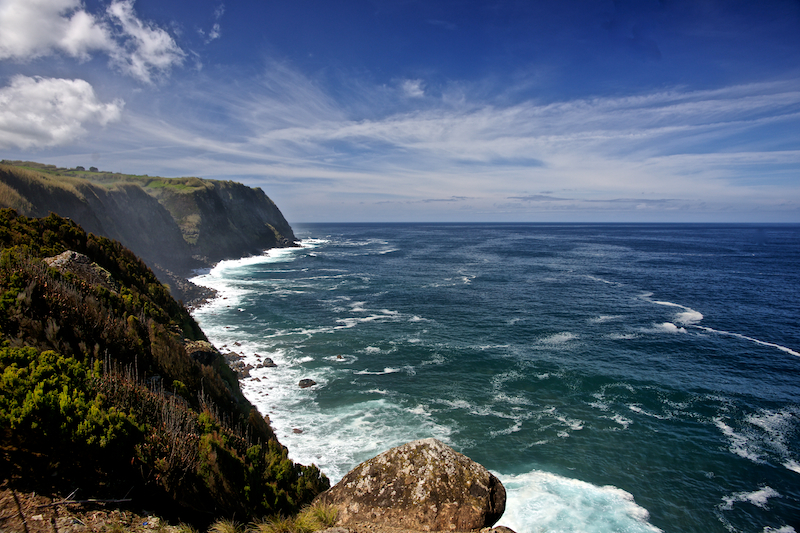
[
  {"x": 622, "y": 421},
  {"x": 602, "y": 280},
  {"x": 686, "y": 317},
  {"x": 792, "y": 465},
  {"x": 636, "y": 408},
  {"x": 751, "y": 339},
  {"x": 558, "y": 338},
  {"x": 669, "y": 327},
  {"x": 759, "y": 498},
  {"x": 739, "y": 444},
  {"x": 766, "y": 436},
  {"x": 385, "y": 371},
  {"x": 604, "y": 318},
  {"x": 542, "y": 501}
]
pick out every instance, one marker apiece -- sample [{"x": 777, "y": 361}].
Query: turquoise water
[{"x": 615, "y": 377}]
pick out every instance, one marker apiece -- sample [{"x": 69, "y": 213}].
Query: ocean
[{"x": 626, "y": 378}]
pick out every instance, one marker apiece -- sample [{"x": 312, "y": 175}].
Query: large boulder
[
  {"x": 83, "y": 267},
  {"x": 202, "y": 351},
  {"x": 423, "y": 485}
]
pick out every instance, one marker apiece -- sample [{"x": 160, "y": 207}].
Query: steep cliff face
[
  {"x": 224, "y": 219},
  {"x": 174, "y": 224},
  {"x": 123, "y": 212}
]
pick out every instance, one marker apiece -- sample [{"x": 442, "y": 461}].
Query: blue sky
[{"x": 404, "y": 110}]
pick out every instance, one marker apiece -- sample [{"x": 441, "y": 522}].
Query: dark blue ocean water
[{"x": 615, "y": 377}]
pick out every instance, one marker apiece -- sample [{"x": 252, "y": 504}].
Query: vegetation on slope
[{"x": 99, "y": 392}]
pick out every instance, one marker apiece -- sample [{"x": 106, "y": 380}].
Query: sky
[{"x": 422, "y": 111}]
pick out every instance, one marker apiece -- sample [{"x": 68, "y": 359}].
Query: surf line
[
  {"x": 689, "y": 318},
  {"x": 763, "y": 343}
]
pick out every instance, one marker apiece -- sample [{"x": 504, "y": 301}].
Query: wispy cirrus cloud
[
  {"x": 141, "y": 49},
  {"x": 659, "y": 152},
  {"x": 216, "y": 29}
]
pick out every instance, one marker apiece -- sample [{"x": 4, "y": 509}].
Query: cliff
[
  {"x": 109, "y": 386},
  {"x": 174, "y": 224}
]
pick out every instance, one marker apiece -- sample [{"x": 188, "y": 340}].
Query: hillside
[
  {"x": 109, "y": 386},
  {"x": 174, "y": 224}
]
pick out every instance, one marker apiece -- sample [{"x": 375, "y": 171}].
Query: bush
[{"x": 44, "y": 395}]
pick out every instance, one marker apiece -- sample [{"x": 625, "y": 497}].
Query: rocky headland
[{"x": 176, "y": 225}]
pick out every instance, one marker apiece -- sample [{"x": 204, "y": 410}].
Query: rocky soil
[{"x": 22, "y": 512}]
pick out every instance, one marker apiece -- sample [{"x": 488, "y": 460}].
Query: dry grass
[
  {"x": 225, "y": 526},
  {"x": 312, "y": 518},
  {"x": 9, "y": 197}
]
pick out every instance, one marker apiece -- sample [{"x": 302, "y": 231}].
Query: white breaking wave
[
  {"x": 385, "y": 371},
  {"x": 688, "y": 317},
  {"x": 751, "y": 339},
  {"x": 669, "y": 327},
  {"x": 759, "y": 498},
  {"x": 542, "y": 501}
]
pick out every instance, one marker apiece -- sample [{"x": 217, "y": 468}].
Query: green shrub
[{"x": 46, "y": 396}]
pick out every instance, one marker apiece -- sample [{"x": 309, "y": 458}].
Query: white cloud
[
  {"x": 144, "y": 47},
  {"x": 214, "y": 33},
  {"x": 39, "y": 112},
  {"x": 413, "y": 88},
  {"x": 36, "y": 28}
]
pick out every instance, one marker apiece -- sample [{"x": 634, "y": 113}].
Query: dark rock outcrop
[
  {"x": 305, "y": 383},
  {"x": 202, "y": 351},
  {"x": 424, "y": 485}
]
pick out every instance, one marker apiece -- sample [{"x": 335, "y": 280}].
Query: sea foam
[{"x": 542, "y": 501}]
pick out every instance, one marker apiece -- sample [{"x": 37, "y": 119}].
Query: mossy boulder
[{"x": 423, "y": 485}]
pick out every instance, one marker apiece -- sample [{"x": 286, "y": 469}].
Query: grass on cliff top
[{"x": 67, "y": 177}]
